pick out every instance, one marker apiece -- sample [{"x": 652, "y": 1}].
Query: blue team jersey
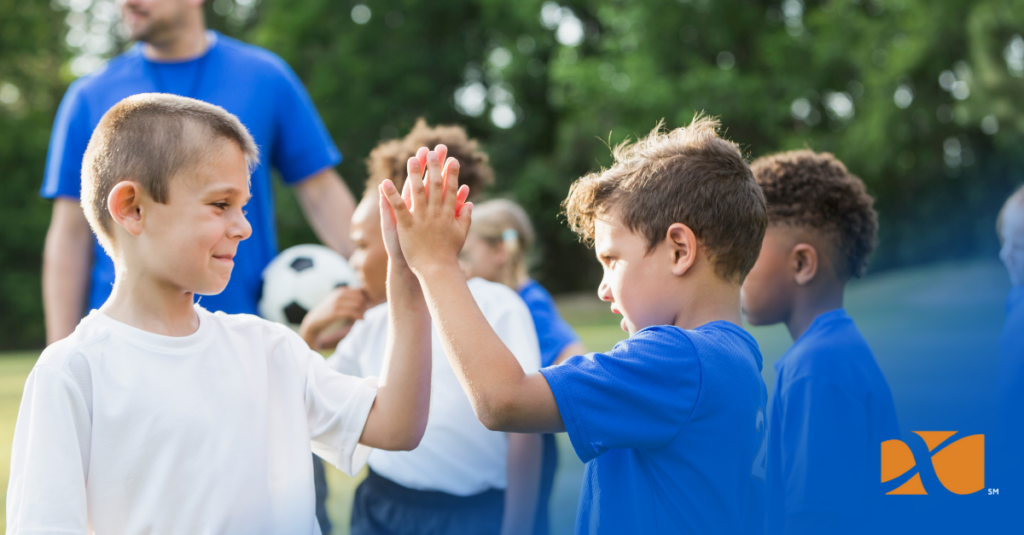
[
  {"x": 251, "y": 83},
  {"x": 553, "y": 333},
  {"x": 830, "y": 411},
  {"x": 670, "y": 424}
]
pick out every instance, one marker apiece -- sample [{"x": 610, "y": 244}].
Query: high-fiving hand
[{"x": 426, "y": 225}]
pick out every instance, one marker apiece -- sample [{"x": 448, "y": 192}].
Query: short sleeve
[
  {"x": 302, "y": 146},
  {"x": 639, "y": 395},
  {"x": 337, "y": 406},
  {"x": 823, "y": 431},
  {"x": 49, "y": 457},
  {"x": 68, "y": 141}
]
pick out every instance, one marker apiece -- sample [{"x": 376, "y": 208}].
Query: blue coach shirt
[
  {"x": 830, "y": 411},
  {"x": 670, "y": 424},
  {"x": 251, "y": 83},
  {"x": 553, "y": 333}
]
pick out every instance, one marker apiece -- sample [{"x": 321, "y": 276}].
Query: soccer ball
[{"x": 300, "y": 278}]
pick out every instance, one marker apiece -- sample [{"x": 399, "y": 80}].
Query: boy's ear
[
  {"x": 682, "y": 244},
  {"x": 804, "y": 262},
  {"x": 125, "y": 206}
]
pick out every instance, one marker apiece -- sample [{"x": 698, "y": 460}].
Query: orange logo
[{"x": 959, "y": 465}]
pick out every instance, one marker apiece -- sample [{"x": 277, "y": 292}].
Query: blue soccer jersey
[
  {"x": 671, "y": 427},
  {"x": 255, "y": 85},
  {"x": 830, "y": 411}
]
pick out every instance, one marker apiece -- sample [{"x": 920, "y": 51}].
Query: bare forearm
[
  {"x": 399, "y": 414},
  {"x": 67, "y": 261},
  {"x": 328, "y": 205},
  {"x": 503, "y": 396},
  {"x": 524, "y": 464}
]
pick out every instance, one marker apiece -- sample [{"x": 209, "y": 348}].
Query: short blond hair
[
  {"x": 689, "y": 175},
  {"x": 149, "y": 138}
]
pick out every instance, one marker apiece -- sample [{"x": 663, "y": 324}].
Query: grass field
[{"x": 934, "y": 331}]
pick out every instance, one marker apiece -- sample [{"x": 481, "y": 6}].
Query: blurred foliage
[{"x": 919, "y": 98}]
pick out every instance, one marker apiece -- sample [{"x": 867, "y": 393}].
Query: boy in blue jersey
[
  {"x": 670, "y": 423},
  {"x": 831, "y": 407}
]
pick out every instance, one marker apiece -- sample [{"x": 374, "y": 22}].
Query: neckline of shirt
[
  {"x": 820, "y": 321},
  {"x": 212, "y": 39},
  {"x": 159, "y": 342}
]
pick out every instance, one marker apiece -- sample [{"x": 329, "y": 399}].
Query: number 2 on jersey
[{"x": 760, "y": 466}]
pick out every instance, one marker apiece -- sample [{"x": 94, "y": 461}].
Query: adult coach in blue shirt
[{"x": 177, "y": 54}]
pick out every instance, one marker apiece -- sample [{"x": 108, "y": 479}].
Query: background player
[
  {"x": 670, "y": 422},
  {"x": 498, "y": 249},
  {"x": 463, "y": 478},
  {"x": 831, "y": 407}
]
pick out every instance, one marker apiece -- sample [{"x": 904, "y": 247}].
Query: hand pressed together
[{"x": 429, "y": 220}]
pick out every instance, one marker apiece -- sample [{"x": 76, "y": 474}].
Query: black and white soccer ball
[{"x": 300, "y": 278}]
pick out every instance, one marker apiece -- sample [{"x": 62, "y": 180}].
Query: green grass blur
[{"x": 903, "y": 314}]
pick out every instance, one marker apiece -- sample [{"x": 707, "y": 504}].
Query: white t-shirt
[
  {"x": 457, "y": 455},
  {"x": 127, "y": 432}
]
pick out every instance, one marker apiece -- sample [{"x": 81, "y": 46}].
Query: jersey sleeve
[
  {"x": 337, "y": 406},
  {"x": 302, "y": 146},
  {"x": 68, "y": 141},
  {"x": 49, "y": 457},
  {"x": 823, "y": 432},
  {"x": 639, "y": 395}
]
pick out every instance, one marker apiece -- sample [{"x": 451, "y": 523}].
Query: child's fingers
[
  {"x": 415, "y": 184},
  {"x": 435, "y": 193},
  {"x": 442, "y": 152},
  {"x": 398, "y": 207},
  {"x": 460, "y": 198},
  {"x": 465, "y": 217},
  {"x": 451, "y": 182},
  {"x": 421, "y": 157}
]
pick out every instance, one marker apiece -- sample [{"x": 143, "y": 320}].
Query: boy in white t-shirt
[
  {"x": 463, "y": 478},
  {"x": 156, "y": 416}
]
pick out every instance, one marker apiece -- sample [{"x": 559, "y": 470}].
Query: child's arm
[
  {"x": 524, "y": 464},
  {"x": 503, "y": 396},
  {"x": 399, "y": 413}
]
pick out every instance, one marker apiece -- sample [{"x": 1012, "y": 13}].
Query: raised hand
[{"x": 423, "y": 217}]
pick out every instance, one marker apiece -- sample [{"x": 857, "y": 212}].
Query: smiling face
[
  {"x": 370, "y": 259},
  {"x": 635, "y": 278},
  {"x": 189, "y": 242}
]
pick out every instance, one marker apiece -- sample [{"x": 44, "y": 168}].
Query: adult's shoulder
[
  {"x": 254, "y": 57},
  {"x": 114, "y": 71}
]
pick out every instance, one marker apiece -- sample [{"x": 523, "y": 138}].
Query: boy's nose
[
  {"x": 241, "y": 229},
  {"x": 604, "y": 291}
]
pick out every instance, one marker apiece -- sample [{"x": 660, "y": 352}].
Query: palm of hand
[{"x": 426, "y": 225}]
